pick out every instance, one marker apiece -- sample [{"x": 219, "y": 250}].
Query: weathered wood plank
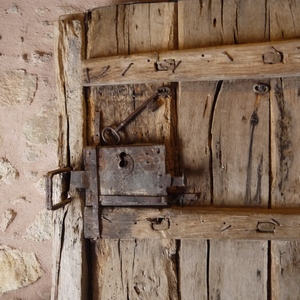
[
  {"x": 285, "y": 270},
  {"x": 225, "y": 278},
  {"x": 194, "y": 125},
  {"x": 195, "y": 106},
  {"x": 246, "y": 264},
  {"x": 193, "y": 267},
  {"x": 133, "y": 269},
  {"x": 238, "y": 171},
  {"x": 200, "y": 222},
  {"x": 285, "y": 134},
  {"x": 257, "y": 60},
  {"x": 285, "y": 157},
  {"x": 207, "y": 23},
  {"x": 195, "y": 31},
  {"x": 124, "y": 270},
  {"x": 69, "y": 280},
  {"x": 240, "y": 145}
]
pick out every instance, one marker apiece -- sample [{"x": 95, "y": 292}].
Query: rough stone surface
[
  {"x": 17, "y": 87},
  {"x": 7, "y": 218},
  {"x": 40, "y": 186},
  {"x": 39, "y": 56},
  {"x": 7, "y": 171},
  {"x": 14, "y": 9},
  {"x": 41, "y": 129},
  {"x": 20, "y": 200},
  {"x": 40, "y": 230},
  {"x": 31, "y": 154},
  {"x": 18, "y": 269}
]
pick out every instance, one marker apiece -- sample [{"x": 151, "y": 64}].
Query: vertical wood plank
[
  {"x": 238, "y": 271},
  {"x": 195, "y": 106},
  {"x": 285, "y": 157},
  {"x": 285, "y": 142},
  {"x": 69, "y": 280},
  {"x": 240, "y": 146},
  {"x": 147, "y": 269},
  {"x": 209, "y": 23},
  {"x": 241, "y": 165},
  {"x": 193, "y": 267},
  {"x": 107, "y": 26},
  {"x": 240, "y": 139}
]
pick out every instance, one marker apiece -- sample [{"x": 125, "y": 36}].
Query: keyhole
[{"x": 123, "y": 161}]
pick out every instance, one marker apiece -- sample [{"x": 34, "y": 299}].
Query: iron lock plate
[{"x": 131, "y": 175}]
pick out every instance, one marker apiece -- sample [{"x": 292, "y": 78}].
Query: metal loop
[
  {"x": 110, "y": 136},
  {"x": 261, "y": 88},
  {"x": 49, "y": 189}
]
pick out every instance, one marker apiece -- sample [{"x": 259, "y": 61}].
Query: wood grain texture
[
  {"x": 248, "y": 61},
  {"x": 240, "y": 146},
  {"x": 195, "y": 106},
  {"x": 194, "y": 31},
  {"x": 124, "y": 270},
  {"x": 246, "y": 266},
  {"x": 284, "y": 97},
  {"x": 207, "y": 23},
  {"x": 194, "y": 125},
  {"x": 285, "y": 142},
  {"x": 193, "y": 266},
  {"x": 248, "y": 169},
  {"x": 285, "y": 270},
  {"x": 133, "y": 269},
  {"x": 69, "y": 280},
  {"x": 200, "y": 222}
]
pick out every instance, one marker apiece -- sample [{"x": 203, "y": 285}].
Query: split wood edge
[
  {"x": 248, "y": 61},
  {"x": 200, "y": 223}
]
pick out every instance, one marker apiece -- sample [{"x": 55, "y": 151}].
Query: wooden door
[{"x": 236, "y": 148}]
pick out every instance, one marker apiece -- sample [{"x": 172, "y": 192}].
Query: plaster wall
[{"x": 28, "y": 140}]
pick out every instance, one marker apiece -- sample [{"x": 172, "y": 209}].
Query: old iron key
[{"x": 111, "y": 136}]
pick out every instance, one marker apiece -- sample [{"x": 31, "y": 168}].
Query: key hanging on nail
[{"x": 111, "y": 135}]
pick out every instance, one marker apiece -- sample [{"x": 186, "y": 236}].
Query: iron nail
[
  {"x": 103, "y": 73},
  {"x": 176, "y": 66},
  {"x": 123, "y": 74}
]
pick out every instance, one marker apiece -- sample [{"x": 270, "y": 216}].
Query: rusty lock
[{"x": 126, "y": 175}]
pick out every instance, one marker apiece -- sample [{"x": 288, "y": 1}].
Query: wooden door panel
[{"x": 237, "y": 149}]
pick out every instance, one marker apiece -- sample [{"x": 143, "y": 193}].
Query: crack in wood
[
  {"x": 284, "y": 136},
  {"x": 210, "y": 125},
  {"x": 254, "y": 120},
  {"x": 207, "y": 268},
  {"x": 62, "y": 239}
]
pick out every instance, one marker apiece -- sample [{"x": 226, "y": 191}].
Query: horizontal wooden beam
[
  {"x": 264, "y": 60},
  {"x": 200, "y": 223}
]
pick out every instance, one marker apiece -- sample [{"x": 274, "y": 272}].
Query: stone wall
[{"x": 28, "y": 135}]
